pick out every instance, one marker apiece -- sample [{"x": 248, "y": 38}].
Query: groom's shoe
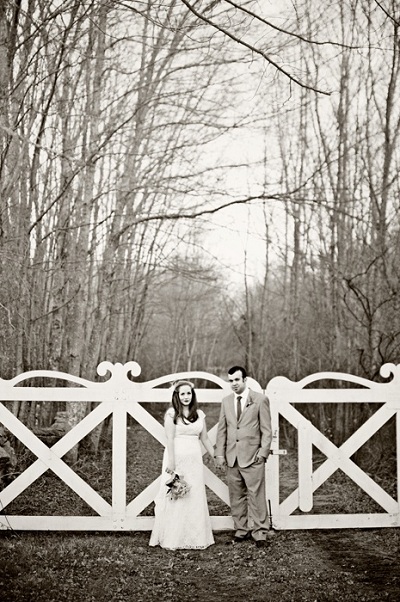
[
  {"x": 261, "y": 543},
  {"x": 239, "y": 538}
]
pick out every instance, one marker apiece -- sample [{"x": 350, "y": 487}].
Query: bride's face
[{"x": 185, "y": 395}]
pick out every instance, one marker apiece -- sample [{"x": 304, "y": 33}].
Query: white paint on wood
[
  {"x": 119, "y": 448},
  {"x": 119, "y": 396},
  {"x": 305, "y": 497},
  {"x": 283, "y": 393}
]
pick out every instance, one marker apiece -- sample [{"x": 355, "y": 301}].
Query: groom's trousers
[{"x": 247, "y": 498}]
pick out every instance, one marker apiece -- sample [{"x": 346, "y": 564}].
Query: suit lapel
[
  {"x": 231, "y": 406},
  {"x": 248, "y": 403}
]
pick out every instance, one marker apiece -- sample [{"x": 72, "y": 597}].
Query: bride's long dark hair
[{"x": 178, "y": 407}]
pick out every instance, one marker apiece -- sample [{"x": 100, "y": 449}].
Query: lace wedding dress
[{"x": 184, "y": 523}]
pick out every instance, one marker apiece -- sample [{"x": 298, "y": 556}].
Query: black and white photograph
[{"x": 199, "y": 300}]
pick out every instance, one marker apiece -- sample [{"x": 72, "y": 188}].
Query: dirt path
[{"x": 372, "y": 556}]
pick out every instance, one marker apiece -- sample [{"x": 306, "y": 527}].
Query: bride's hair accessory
[{"x": 180, "y": 383}]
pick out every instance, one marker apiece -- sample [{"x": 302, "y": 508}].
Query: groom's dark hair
[{"x": 235, "y": 369}]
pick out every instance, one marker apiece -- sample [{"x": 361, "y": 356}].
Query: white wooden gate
[
  {"x": 282, "y": 394},
  {"x": 119, "y": 396}
]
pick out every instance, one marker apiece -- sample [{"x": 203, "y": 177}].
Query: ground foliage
[
  {"x": 311, "y": 566},
  {"x": 297, "y": 566}
]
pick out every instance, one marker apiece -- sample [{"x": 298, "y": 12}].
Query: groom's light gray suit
[{"x": 241, "y": 443}]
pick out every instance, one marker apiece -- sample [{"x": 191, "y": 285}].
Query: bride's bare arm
[
  {"x": 169, "y": 427},
  {"x": 206, "y": 441}
]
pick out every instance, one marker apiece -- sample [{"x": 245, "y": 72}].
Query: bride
[{"x": 182, "y": 519}]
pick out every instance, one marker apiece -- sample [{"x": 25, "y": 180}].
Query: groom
[{"x": 243, "y": 444}]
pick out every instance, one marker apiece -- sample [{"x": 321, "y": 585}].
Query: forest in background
[{"x": 117, "y": 123}]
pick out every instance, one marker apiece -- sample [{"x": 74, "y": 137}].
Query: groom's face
[{"x": 238, "y": 383}]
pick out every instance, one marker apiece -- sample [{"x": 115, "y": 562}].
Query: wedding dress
[{"x": 184, "y": 523}]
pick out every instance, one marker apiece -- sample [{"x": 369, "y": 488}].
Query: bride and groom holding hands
[{"x": 243, "y": 443}]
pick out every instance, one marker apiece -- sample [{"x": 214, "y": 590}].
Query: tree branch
[
  {"x": 395, "y": 21},
  {"x": 247, "y": 200},
  {"x": 286, "y": 32},
  {"x": 253, "y": 49}
]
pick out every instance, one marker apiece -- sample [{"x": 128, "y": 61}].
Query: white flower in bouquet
[{"x": 177, "y": 487}]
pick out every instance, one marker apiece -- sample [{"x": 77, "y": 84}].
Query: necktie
[{"x": 238, "y": 407}]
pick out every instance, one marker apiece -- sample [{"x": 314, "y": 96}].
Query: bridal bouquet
[{"x": 177, "y": 487}]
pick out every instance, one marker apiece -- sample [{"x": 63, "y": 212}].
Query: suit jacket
[{"x": 249, "y": 437}]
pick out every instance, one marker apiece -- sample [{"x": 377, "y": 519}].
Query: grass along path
[{"x": 307, "y": 566}]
